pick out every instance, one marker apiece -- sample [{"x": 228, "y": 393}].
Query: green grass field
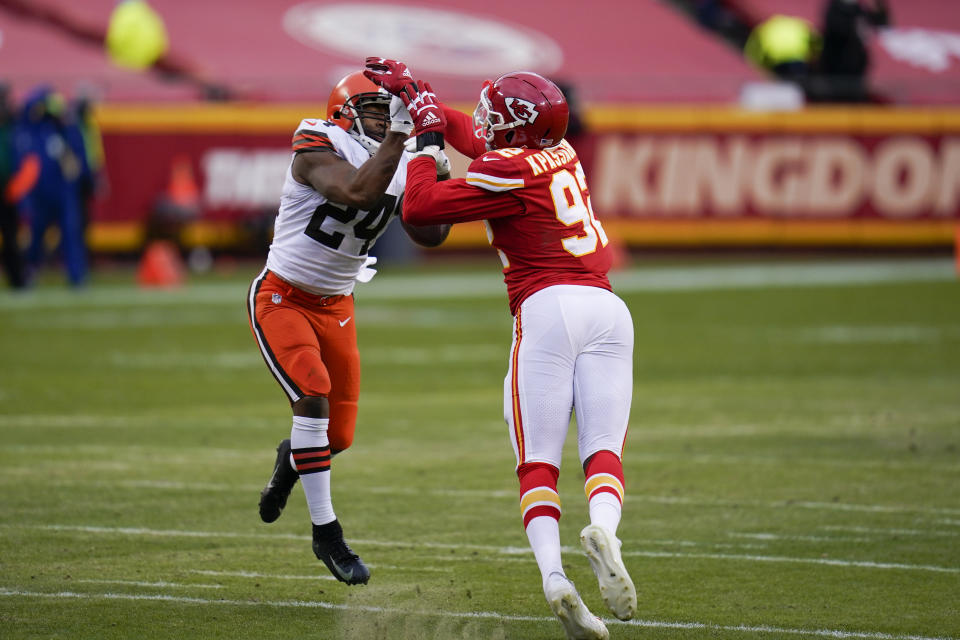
[{"x": 793, "y": 462}]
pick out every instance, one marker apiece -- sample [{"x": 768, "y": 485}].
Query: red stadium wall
[{"x": 658, "y": 176}]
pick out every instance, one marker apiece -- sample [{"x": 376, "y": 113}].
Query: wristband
[{"x": 430, "y": 138}]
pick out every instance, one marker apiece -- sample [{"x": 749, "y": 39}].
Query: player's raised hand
[
  {"x": 392, "y": 75},
  {"x": 400, "y": 120},
  {"x": 424, "y": 108}
]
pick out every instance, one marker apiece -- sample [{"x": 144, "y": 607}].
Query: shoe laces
[
  {"x": 338, "y": 549},
  {"x": 342, "y": 553}
]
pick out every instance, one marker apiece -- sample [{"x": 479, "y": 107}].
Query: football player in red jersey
[
  {"x": 572, "y": 345},
  {"x": 343, "y": 187}
]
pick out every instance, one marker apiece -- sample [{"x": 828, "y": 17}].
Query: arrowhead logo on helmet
[{"x": 521, "y": 109}]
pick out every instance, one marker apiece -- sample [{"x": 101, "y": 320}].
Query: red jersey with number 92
[{"x": 536, "y": 206}]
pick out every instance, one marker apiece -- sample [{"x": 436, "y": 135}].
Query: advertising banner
[{"x": 658, "y": 177}]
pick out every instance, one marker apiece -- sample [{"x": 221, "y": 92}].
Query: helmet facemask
[
  {"x": 356, "y": 108},
  {"x": 487, "y": 121}
]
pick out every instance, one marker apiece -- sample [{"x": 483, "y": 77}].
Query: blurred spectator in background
[
  {"x": 787, "y": 46},
  {"x": 93, "y": 182},
  {"x": 17, "y": 175},
  {"x": 845, "y": 60},
  {"x": 44, "y": 130}
]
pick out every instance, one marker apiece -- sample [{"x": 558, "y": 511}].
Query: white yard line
[
  {"x": 788, "y": 560},
  {"x": 492, "y": 549},
  {"x": 784, "y": 504},
  {"x": 492, "y": 615},
  {"x": 800, "y": 504},
  {"x": 489, "y": 284},
  {"x": 254, "y": 574},
  {"x": 895, "y": 531},
  {"x": 512, "y": 495},
  {"x": 140, "y": 583},
  {"x": 508, "y": 494},
  {"x": 794, "y": 538}
]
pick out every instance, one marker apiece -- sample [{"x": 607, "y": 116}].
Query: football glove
[
  {"x": 392, "y": 75},
  {"x": 428, "y": 119},
  {"x": 443, "y": 162},
  {"x": 400, "y": 120}
]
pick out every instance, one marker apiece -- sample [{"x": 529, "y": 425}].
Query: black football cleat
[
  {"x": 274, "y": 496},
  {"x": 343, "y": 563}
]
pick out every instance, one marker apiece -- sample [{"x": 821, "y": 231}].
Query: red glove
[
  {"x": 424, "y": 108},
  {"x": 392, "y": 75}
]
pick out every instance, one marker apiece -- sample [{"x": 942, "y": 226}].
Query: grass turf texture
[{"x": 792, "y": 464}]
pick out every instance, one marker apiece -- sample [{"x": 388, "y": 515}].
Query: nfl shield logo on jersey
[{"x": 276, "y": 298}]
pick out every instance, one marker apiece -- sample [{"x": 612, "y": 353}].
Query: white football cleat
[
  {"x": 577, "y": 620},
  {"x": 616, "y": 587}
]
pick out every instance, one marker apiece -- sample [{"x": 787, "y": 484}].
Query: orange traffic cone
[{"x": 161, "y": 266}]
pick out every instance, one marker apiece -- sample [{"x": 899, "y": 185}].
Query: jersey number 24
[{"x": 367, "y": 228}]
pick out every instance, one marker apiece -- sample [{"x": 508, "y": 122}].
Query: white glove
[
  {"x": 443, "y": 162},
  {"x": 367, "y": 271},
  {"x": 400, "y": 120}
]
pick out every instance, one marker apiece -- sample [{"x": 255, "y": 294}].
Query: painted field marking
[
  {"x": 489, "y": 284},
  {"x": 789, "y": 560},
  {"x": 486, "y": 493},
  {"x": 830, "y": 506},
  {"x": 896, "y": 532},
  {"x": 231, "y": 360},
  {"x": 140, "y": 583},
  {"x": 804, "y": 504},
  {"x": 278, "y": 576},
  {"x": 508, "y": 550},
  {"x": 302, "y": 604},
  {"x": 254, "y": 574},
  {"x": 793, "y": 538}
]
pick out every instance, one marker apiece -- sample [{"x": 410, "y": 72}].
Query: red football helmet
[
  {"x": 349, "y": 101},
  {"x": 521, "y": 109}
]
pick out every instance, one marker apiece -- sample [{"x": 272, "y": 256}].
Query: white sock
[
  {"x": 605, "y": 511},
  {"x": 543, "y": 532},
  {"x": 310, "y": 450}
]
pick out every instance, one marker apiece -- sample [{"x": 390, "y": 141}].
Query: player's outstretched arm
[
  {"x": 341, "y": 182},
  {"x": 460, "y": 133}
]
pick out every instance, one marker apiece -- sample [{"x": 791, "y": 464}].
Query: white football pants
[{"x": 572, "y": 349}]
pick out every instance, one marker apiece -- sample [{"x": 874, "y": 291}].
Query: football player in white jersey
[{"x": 344, "y": 186}]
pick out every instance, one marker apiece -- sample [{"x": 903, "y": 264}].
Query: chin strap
[{"x": 368, "y": 143}]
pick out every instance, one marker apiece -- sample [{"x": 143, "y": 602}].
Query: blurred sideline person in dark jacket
[
  {"x": 17, "y": 175},
  {"x": 45, "y": 130},
  {"x": 94, "y": 181}
]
